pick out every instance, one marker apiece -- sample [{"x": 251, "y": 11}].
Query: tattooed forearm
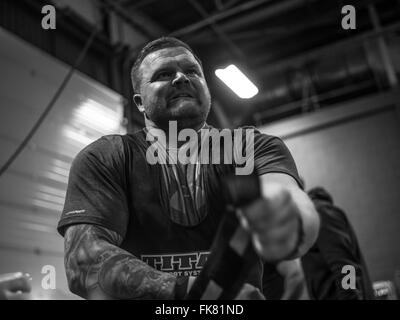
[{"x": 97, "y": 268}]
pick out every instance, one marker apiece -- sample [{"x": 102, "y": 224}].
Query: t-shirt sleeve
[
  {"x": 97, "y": 191},
  {"x": 272, "y": 155}
]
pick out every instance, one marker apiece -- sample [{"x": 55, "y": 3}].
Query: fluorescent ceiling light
[{"x": 237, "y": 81}]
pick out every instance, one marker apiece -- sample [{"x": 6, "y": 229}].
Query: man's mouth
[{"x": 181, "y": 96}]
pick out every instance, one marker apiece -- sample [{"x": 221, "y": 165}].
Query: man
[
  {"x": 135, "y": 230},
  {"x": 336, "y": 247}
]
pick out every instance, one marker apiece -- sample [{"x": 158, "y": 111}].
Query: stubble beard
[{"x": 185, "y": 119}]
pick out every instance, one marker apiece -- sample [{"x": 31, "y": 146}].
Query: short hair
[{"x": 155, "y": 45}]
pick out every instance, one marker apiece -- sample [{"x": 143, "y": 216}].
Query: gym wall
[{"x": 32, "y": 190}]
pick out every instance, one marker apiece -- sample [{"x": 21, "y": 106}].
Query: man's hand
[
  {"x": 283, "y": 223},
  {"x": 295, "y": 287},
  {"x": 273, "y": 222},
  {"x": 14, "y": 286},
  {"x": 249, "y": 292},
  {"x": 191, "y": 280}
]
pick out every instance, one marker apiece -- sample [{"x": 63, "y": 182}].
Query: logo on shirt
[
  {"x": 179, "y": 264},
  {"x": 75, "y": 212}
]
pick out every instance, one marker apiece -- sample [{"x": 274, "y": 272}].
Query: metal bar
[
  {"x": 217, "y": 17},
  {"x": 271, "y": 31},
  {"x": 274, "y": 9},
  {"x": 132, "y": 5},
  {"x": 297, "y": 104},
  {"x": 125, "y": 15},
  {"x": 275, "y": 66},
  {"x": 235, "y": 49},
  {"x": 383, "y": 49}
]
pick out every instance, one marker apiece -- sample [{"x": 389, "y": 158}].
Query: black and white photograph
[{"x": 200, "y": 153}]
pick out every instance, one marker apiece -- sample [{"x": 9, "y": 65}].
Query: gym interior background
[{"x": 331, "y": 93}]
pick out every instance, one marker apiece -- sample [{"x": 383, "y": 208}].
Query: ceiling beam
[
  {"x": 273, "y": 31},
  {"x": 326, "y": 49},
  {"x": 217, "y": 17},
  {"x": 244, "y": 20},
  {"x": 132, "y": 4},
  {"x": 221, "y": 35},
  {"x": 139, "y": 22}
]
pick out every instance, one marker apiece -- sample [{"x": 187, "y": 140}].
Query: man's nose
[{"x": 180, "y": 78}]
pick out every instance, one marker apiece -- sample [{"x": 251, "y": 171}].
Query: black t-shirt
[{"x": 111, "y": 184}]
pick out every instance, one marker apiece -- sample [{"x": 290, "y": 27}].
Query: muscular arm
[
  {"x": 98, "y": 269},
  {"x": 306, "y": 209}
]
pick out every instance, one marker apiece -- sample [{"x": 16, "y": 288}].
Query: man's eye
[
  {"x": 165, "y": 75},
  {"x": 192, "y": 71}
]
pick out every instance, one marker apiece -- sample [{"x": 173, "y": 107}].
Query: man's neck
[{"x": 150, "y": 125}]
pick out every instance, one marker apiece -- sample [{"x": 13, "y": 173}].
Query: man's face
[{"x": 173, "y": 88}]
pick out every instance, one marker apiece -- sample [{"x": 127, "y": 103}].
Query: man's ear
[{"x": 137, "y": 98}]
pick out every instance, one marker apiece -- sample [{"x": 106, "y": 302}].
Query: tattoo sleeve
[{"x": 97, "y": 268}]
